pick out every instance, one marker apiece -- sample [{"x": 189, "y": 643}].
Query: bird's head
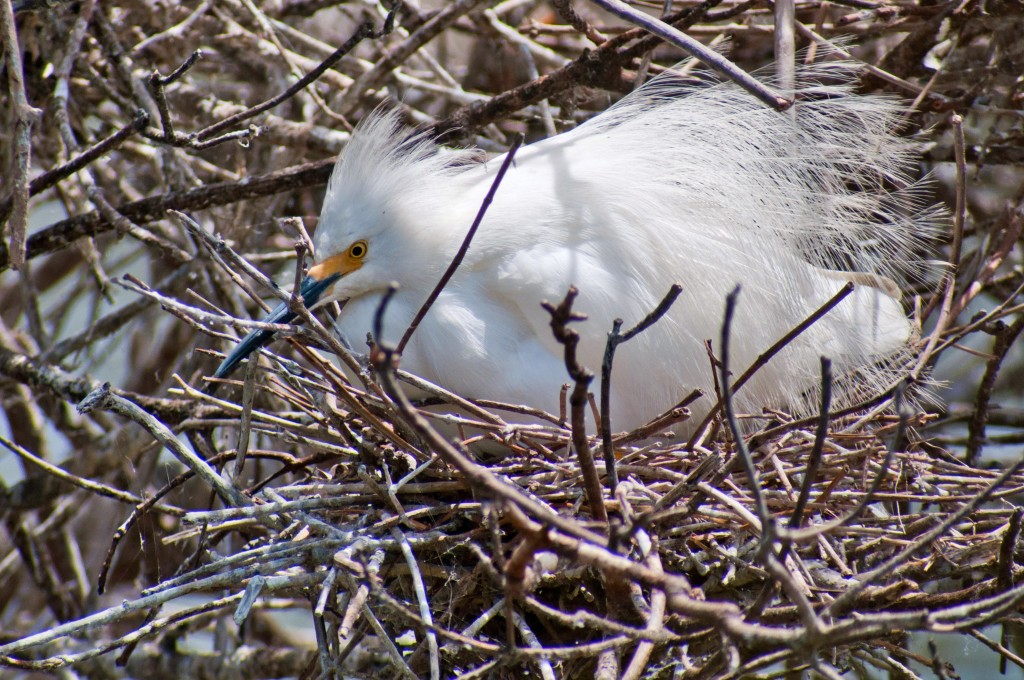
[{"x": 378, "y": 223}]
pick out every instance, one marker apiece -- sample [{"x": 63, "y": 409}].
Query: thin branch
[
  {"x": 506, "y": 163},
  {"x": 103, "y": 399},
  {"x": 742, "y": 452},
  {"x": 572, "y": 17},
  {"x": 712, "y": 59},
  {"x": 785, "y": 44},
  {"x": 94, "y": 223},
  {"x": 421, "y": 599},
  {"x": 364, "y": 31},
  {"x": 615, "y": 338},
  {"x": 1008, "y": 547},
  {"x": 84, "y": 158},
  {"x": 820, "y": 435},
  {"x": 766, "y": 356},
  {"x": 25, "y": 116},
  {"x": 371, "y": 79},
  {"x": 157, "y": 83},
  {"x": 810, "y": 477},
  {"x": 561, "y": 316},
  {"x": 1006, "y": 336},
  {"x": 74, "y": 480}
]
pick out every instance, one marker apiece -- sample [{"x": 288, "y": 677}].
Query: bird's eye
[{"x": 357, "y": 250}]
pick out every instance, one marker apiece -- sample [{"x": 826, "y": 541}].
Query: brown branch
[
  {"x": 742, "y": 450},
  {"x": 364, "y": 31},
  {"x": 1006, "y": 336},
  {"x": 25, "y": 116},
  {"x": 1008, "y": 547},
  {"x": 886, "y": 568},
  {"x": 392, "y": 58},
  {"x": 100, "y": 148},
  {"x": 157, "y": 84},
  {"x": 561, "y": 317},
  {"x": 572, "y": 17},
  {"x": 55, "y": 380},
  {"x": 601, "y": 67},
  {"x": 63, "y": 233},
  {"x": 709, "y": 57}
]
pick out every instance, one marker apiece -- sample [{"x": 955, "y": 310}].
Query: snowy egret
[{"x": 682, "y": 181}]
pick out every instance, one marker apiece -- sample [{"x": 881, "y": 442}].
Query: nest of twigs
[
  {"x": 418, "y": 533},
  {"x": 480, "y": 551},
  {"x": 483, "y": 560}
]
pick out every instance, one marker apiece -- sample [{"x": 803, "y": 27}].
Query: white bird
[{"x": 682, "y": 181}]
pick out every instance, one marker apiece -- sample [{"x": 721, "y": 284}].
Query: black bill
[{"x": 310, "y": 290}]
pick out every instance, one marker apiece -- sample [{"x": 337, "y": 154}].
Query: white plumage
[{"x": 683, "y": 182}]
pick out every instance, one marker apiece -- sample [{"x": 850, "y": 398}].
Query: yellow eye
[{"x": 357, "y": 250}]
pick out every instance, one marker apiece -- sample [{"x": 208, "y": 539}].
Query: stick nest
[{"x": 892, "y": 539}]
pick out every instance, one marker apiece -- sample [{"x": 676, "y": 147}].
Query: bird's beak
[{"x": 312, "y": 289}]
